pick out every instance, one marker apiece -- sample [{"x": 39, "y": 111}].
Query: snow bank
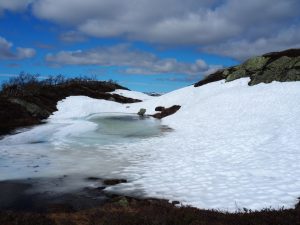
[
  {"x": 132, "y": 94},
  {"x": 233, "y": 146}
]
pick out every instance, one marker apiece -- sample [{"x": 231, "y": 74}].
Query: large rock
[
  {"x": 255, "y": 64},
  {"x": 282, "y": 69},
  {"x": 276, "y": 66},
  {"x": 167, "y": 112},
  {"x": 216, "y": 76},
  {"x": 237, "y": 73}
]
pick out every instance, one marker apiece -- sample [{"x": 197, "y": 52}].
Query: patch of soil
[{"x": 129, "y": 211}]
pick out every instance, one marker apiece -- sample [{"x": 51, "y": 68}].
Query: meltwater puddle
[
  {"x": 97, "y": 145},
  {"x": 119, "y": 128}
]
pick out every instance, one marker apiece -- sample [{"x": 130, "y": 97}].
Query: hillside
[
  {"x": 29, "y": 102},
  {"x": 231, "y": 133},
  {"x": 232, "y": 146},
  {"x": 36, "y": 101}
]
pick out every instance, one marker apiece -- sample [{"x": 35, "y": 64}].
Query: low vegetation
[
  {"x": 27, "y": 100},
  {"x": 26, "y": 84},
  {"x": 128, "y": 211}
]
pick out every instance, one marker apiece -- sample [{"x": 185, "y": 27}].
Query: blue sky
[{"x": 147, "y": 45}]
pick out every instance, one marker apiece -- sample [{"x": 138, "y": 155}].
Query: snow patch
[
  {"x": 132, "y": 94},
  {"x": 233, "y": 146}
]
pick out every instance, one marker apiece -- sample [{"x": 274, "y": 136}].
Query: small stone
[
  {"x": 112, "y": 182},
  {"x": 142, "y": 112},
  {"x": 93, "y": 178}
]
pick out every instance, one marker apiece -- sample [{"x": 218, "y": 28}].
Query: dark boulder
[
  {"x": 216, "y": 76},
  {"x": 289, "y": 53},
  {"x": 159, "y": 108},
  {"x": 167, "y": 112},
  {"x": 112, "y": 182}
]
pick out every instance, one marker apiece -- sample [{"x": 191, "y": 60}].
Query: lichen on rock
[
  {"x": 255, "y": 63},
  {"x": 276, "y": 66}
]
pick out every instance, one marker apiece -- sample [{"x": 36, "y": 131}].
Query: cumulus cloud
[
  {"x": 14, "y": 5},
  {"x": 190, "y": 21},
  {"x": 184, "y": 22},
  {"x": 7, "y": 53},
  {"x": 212, "y": 25},
  {"x": 167, "y": 66},
  {"x": 133, "y": 61},
  {"x": 72, "y": 36},
  {"x": 243, "y": 49}
]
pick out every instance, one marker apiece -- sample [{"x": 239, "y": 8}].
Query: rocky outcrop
[
  {"x": 13, "y": 116},
  {"x": 276, "y": 66},
  {"x": 32, "y": 104},
  {"x": 32, "y": 108},
  {"x": 167, "y": 112}
]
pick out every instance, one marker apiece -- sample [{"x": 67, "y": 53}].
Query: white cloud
[
  {"x": 163, "y": 19},
  {"x": 72, "y": 36},
  {"x": 120, "y": 55},
  {"x": 23, "y": 53},
  {"x": 243, "y": 49},
  {"x": 213, "y": 25},
  {"x": 14, "y": 5},
  {"x": 167, "y": 66},
  {"x": 190, "y": 21},
  {"x": 7, "y": 53},
  {"x": 133, "y": 61}
]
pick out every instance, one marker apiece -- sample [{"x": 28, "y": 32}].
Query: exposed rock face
[
  {"x": 218, "y": 75},
  {"x": 13, "y": 116},
  {"x": 167, "y": 112},
  {"x": 32, "y": 108},
  {"x": 276, "y": 66}
]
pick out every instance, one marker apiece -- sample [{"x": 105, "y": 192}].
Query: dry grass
[{"x": 128, "y": 211}]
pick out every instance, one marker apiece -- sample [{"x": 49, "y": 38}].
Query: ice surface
[{"x": 232, "y": 146}]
